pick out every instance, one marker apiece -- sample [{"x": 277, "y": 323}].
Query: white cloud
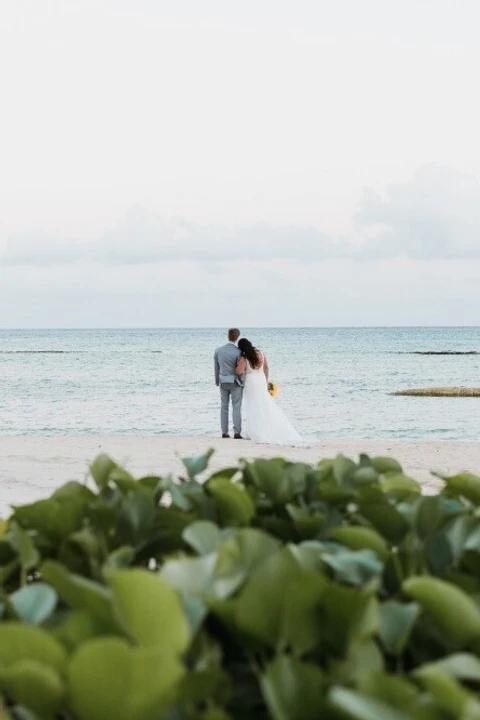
[
  {"x": 436, "y": 215},
  {"x": 146, "y": 237}
]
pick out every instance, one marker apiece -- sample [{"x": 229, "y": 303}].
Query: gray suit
[{"x": 231, "y": 385}]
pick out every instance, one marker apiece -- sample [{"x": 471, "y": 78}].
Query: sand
[{"x": 32, "y": 467}]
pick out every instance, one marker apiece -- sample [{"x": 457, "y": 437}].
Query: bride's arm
[
  {"x": 241, "y": 366},
  {"x": 266, "y": 369}
]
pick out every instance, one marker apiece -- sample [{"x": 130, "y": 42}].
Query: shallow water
[{"x": 333, "y": 382}]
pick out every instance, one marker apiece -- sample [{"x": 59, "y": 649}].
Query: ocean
[{"x": 333, "y": 382}]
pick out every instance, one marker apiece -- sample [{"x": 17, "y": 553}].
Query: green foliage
[{"x": 267, "y": 591}]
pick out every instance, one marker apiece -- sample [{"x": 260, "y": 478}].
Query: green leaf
[
  {"x": 343, "y": 470},
  {"x": 298, "y": 474},
  {"x": 110, "y": 681},
  {"x": 197, "y": 465},
  {"x": 29, "y": 556},
  {"x": 156, "y": 675},
  {"x": 190, "y": 576},
  {"x": 203, "y": 536},
  {"x": 463, "y": 484},
  {"x": 120, "y": 558},
  {"x": 396, "y": 624},
  {"x": 26, "y": 642},
  {"x": 123, "y": 480},
  {"x": 136, "y": 516},
  {"x": 195, "y": 611},
  {"x": 260, "y": 605},
  {"x": 227, "y": 472},
  {"x": 234, "y": 504},
  {"x": 356, "y": 567},
  {"x": 454, "y": 612},
  {"x": 74, "y": 492},
  {"x": 308, "y": 525},
  {"x": 82, "y": 552},
  {"x": 384, "y": 465},
  {"x": 365, "y": 476},
  {"x": 359, "y": 538},
  {"x": 293, "y": 689},
  {"x": 384, "y": 517},
  {"x": 457, "y": 532},
  {"x": 400, "y": 486},
  {"x": 447, "y": 692},
  {"x": 272, "y": 478},
  {"x": 34, "y": 603},
  {"x": 100, "y": 470},
  {"x": 359, "y": 707},
  {"x": 350, "y": 616},
  {"x": 150, "y": 609},
  {"x": 55, "y": 518},
  {"x": 179, "y": 499},
  {"x": 238, "y": 556},
  {"x": 78, "y": 592},
  {"x": 36, "y": 686},
  {"x": 301, "y": 623},
  {"x": 77, "y": 627},
  {"x": 394, "y": 690},
  {"x": 99, "y": 676},
  {"x": 463, "y": 666},
  {"x": 6, "y": 571},
  {"x": 428, "y": 516}
]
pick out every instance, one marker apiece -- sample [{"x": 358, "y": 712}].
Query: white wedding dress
[{"x": 265, "y": 420}]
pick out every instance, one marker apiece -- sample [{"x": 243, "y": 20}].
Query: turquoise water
[{"x": 333, "y": 382}]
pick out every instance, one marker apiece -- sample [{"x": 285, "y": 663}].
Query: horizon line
[{"x": 249, "y": 327}]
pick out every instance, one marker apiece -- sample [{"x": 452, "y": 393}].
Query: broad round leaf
[
  {"x": 36, "y": 686},
  {"x": 360, "y": 538},
  {"x": 22, "y": 642},
  {"x": 78, "y": 592},
  {"x": 293, "y": 689},
  {"x": 109, "y": 680},
  {"x": 99, "y": 676},
  {"x": 396, "y": 624},
  {"x": 34, "y": 603},
  {"x": 454, "y": 612},
  {"x": 359, "y": 707},
  {"x": 29, "y": 555},
  {"x": 202, "y": 536},
  {"x": 150, "y": 609},
  {"x": 385, "y": 465},
  {"x": 100, "y": 470},
  {"x": 197, "y": 465},
  {"x": 235, "y": 505}
]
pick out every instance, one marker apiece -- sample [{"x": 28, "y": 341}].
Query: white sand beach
[{"x": 32, "y": 467}]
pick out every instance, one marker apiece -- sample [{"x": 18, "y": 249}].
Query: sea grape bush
[{"x": 270, "y": 590}]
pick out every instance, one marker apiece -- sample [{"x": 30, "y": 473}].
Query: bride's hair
[{"x": 249, "y": 352}]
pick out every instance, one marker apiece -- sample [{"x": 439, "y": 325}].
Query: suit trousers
[{"x": 233, "y": 392}]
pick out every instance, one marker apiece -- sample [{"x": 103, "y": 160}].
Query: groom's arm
[{"x": 216, "y": 368}]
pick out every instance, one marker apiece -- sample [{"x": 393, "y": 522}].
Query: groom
[{"x": 231, "y": 385}]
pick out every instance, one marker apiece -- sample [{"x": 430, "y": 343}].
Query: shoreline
[{"x": 31, "y": 467}]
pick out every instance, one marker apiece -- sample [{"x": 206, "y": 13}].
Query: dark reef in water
[{"x": 442, "y": 352}]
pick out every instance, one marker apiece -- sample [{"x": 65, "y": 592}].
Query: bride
[{"x": 266, "y": 421}]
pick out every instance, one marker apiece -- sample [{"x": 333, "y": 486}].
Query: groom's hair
[{"x": 233, "y": 334}]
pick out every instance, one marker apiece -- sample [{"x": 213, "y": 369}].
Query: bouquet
[{"x": 272, "y": 388}]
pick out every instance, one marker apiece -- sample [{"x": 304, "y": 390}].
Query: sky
[{"x": 216, "y": 163}]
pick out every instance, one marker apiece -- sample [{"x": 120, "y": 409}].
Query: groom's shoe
[
  {"x": 237, "y": 436},
  {"x": 225, "y": 435}
]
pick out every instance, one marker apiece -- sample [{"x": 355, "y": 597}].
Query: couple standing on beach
[{"x": 241, "y": 373}]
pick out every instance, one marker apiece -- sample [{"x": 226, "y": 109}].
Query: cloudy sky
[{"x": 264, "y": 162}]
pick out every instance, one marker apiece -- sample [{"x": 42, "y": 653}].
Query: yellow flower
[{"x": 272, "y": 388}]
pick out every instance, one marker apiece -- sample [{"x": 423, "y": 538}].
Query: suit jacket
[{"x": 225, "y": 361}]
